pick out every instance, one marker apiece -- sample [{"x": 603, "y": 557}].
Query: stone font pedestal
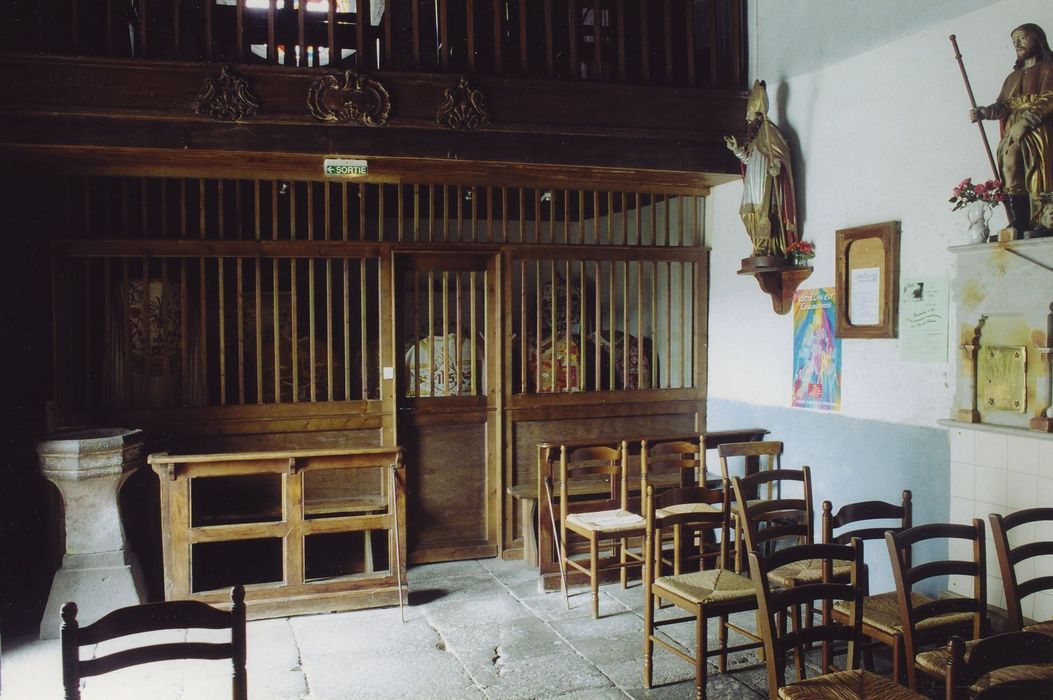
[{"x": 98, "y": 571}]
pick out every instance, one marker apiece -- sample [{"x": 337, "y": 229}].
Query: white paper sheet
[{"x": 864, "y": 292}]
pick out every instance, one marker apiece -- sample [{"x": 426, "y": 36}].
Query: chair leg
[
  {"x": 623, "y": 560},
  {"x": 798, "y": 651},
  {"x": 722, "y": 635},
  {"x": 897, "y": 654},
  {"x": 648, "y": 639},
  {"x": 594, "y": 575},
  {"x": 700, "y": 654}
]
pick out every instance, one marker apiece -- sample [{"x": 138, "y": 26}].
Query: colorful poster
[{"x": 816, "y": 350}]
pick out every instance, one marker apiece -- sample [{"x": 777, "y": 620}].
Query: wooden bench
[{"x": 306, "y": 530}]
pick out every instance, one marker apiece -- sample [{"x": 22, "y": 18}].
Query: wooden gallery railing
[{"x": 675, "y": 42}]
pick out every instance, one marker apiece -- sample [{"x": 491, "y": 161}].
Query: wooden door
[{"x": 448, "y": 397}]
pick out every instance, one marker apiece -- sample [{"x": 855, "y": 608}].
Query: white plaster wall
[{"x": 881, "y": 136}]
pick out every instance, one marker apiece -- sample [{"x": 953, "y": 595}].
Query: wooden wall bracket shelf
[{"x": 779, "y": 283}]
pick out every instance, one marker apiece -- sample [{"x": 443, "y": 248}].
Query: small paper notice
[
  {"x": 863, "y": 296},
  {"x": 923, "y": 305}
]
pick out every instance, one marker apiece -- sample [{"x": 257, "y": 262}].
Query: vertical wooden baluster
[
  {"x": 125, "y": 232},
  {"x": 416, "y": 214},
  {"x": 639, "y": 219},
  {"x": 469, "y": 16},
  {"x": 475, "y": 208},
  {"x": 573, "y": 26},
  {"x": 625, "y": 219},
  {"x": 597, "y": 50},
  {"x": 582, "y": 358},
  {"x": 329, "y": 396},
  {"x": 566, "y": 216},
  {"x": 208, "y": 30},
  {"x": 444, "y": 37},
  {"x": 75, "y": 28},
  {"x": 431, "y": 212},
  {"x": 363, "y": 327},
  {"x": 330, "y": 37},
  {"x": 431, "y": 332},
  {"x": 711, "y": 25},
  {"x": 144, "y": 21},
  {"x": 312, "y": 349},
  {"x": 595, "y": 218},
  {"x": 380, "y": 212},
  {"x": 581, "y": 217},
  {"x": 498, "y": 7},
  {"x": 361, "y": 211},
  {"x": 389, "y": 22},
  {"x": 445, "y": 332},
  {"x": 686, "y": 327},
  {"x": 639, "y": 325},
  {"x": 166, "y": 337},
  {"x": 654, "y": 219},
  {"x": 221, "y": 327},
  {"x": 537, "y": 215},
  {"x": 737, "y": 21},
  {"x": 361, "y": 20},
  {"x": 300, "y": 51},
  {"x": 620, "y": 10},
  {"x": 667, "y": 19},
  {"x": 645, "y": 48},
  {"x": 126, "y": 334},
  {"x": 473, "y": 330},
  {"x": 240, "y": 281},
  {"x": 666, "y": 210},
  {"x": 669, "y": 320},
  {"x": 611, "y": 292},
  {"x": 144, "y": 213},
  {"x": 457, "y": 333},
  {"x": 415, "y": 22},
  {"x": 537, "y": 326},
  {"x": 239, "y": 21},
  {"x": 555, "y": 302},
  {"x": 566, "y": 317},
  {"x": 689, "y": 36},
  {"x": 504, "y": 215},
  {"x": 202, "y": 292},
  {"x": 459, "y": 221},
  {"x": 275, "y": 297},
  {"x": 257, "y": 268},
  {"x": 682, "y": 225},
  {"x": 524, "y": 54},
  {"x": 400, "y": 218},
  {"x": 598, "y": 315},
  {"x": 147, "y": 331},
  {"x": 610, "y": 218},
  {"x": 522, "y": 215},
  {"x": 177, "y": 47},
  {"x": 346, "y": 325},
  {"x": 654, "y": 325},
  {"x": 414, "y": 387},
  {"x": 523, "y": 349},
  {"x": 272, "y": 45},
  {"x": 549, "y": 50},
  {"x": 625, "y": 324}
]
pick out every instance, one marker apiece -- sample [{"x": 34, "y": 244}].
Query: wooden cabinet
[{"x": 304, "y": 530}]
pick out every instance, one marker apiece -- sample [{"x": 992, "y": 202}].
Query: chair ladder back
[
  {"x": 759, "y": 456},
  {"x": 1009, "y": 556},
  {"x": 154, "y": 617},
  {"x": 996, "y": 652},
  {"x": 778, "y": 603},
  {"x": 907, "y": 575},
  {"x": 800, "y": 526}
]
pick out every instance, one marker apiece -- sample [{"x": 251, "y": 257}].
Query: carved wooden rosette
[
  {"x": 227, "y": 98},
  {"x": 462, "y": 107},
  {"x": 351, "y": 97}
]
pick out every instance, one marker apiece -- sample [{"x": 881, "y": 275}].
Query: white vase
[{"x": 979, "y": 213}]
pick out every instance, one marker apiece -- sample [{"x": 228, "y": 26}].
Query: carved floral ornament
[
  {"x": 462, "y": 107},
  {"x": 351, "y": 97},
  {"x": 227, "y": 98}
]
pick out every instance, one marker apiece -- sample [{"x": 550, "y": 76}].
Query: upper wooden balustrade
[{"x": 625, "y": 89}]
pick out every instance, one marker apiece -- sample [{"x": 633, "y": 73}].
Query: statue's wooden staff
[{"x": 972, "y": 103}]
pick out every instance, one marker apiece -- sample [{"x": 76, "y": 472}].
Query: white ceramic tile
[
  {"x": 961, "y": 510},
  {"x": 1027, "y": 607},
  {"x": 995, "y": 592},
  {"x": 962, "y": 476},
  {"x": 1021, "y": 491},
  {"x": 1022, "y": 454},
  {"x": 1045, "y": 458},
  {"x": 992, "y": 449},
  {"x": 1045, "y": 492},
  {"x": 1043, "y": 606},
  {"x": 990, "y": 485},
  {"x": 963, "y": 445},
  {"x": 960, "y": 549}
]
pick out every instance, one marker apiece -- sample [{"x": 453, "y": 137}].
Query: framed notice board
[{"x": 867, "y": 280}]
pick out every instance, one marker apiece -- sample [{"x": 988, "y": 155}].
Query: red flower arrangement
[
  {"x": 801, "y": 249},
  {"x": 965, "y": 192}
]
